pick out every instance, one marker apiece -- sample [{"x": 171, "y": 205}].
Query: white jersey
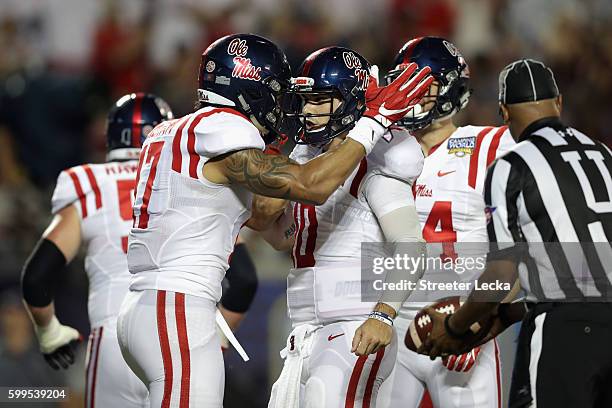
[
  {"x": 102, "y": 195},
  {"x": 185, "y": 227},
  {"x": 449, "y": 193},
  {"x": 324, "y": 285}
]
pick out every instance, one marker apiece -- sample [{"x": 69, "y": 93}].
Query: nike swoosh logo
[
  {"x": 330, "y": 338},
  {"x": 446, "y": 173},
  {"x": 386, "y": 112}
]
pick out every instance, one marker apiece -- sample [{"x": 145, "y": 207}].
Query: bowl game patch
[{"x": 461, "y": 146}]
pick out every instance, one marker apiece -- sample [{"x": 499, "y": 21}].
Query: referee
[{"x": 549, "y": 201}]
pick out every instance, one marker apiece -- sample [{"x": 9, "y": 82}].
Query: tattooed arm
[
  {"x": 273, "y": 218},
  {"x": 281, "y": 233},
  {"x": 281, "y": 177},
  {"x": 265, "y": 211}
]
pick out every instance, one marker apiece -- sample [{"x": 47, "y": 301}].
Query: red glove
[
  {"x": 390, "y": 103},
  {"x": 463, "y": 362}
]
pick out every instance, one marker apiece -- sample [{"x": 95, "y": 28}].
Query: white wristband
[
  {"x": 54, "y": 335},
  {"x": 367, "y": 131},
  {"x": 50, "y": 330},
  {"x": 381, "y": 317}
]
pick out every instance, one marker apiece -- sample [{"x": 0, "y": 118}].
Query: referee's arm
[{"x": 502, "y": 189}]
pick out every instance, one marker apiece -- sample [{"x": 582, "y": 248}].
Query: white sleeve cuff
[{"x": 367, "y": 131}]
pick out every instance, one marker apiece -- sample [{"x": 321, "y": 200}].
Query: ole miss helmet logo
[
  {"x": 243, "y": 68},
  {"x": 353, "y": 62},
  {"x": 237, "y": 47}
]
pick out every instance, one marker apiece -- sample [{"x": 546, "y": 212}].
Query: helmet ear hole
[{"x": 253, "y": 93}]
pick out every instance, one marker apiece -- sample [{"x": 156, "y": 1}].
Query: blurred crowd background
[{"x": 63, "y": 63}]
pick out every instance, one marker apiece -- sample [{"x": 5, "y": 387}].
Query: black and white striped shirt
[{"x": 553, "y": 191}]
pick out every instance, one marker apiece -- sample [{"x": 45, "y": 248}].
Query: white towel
[{"x": 286, "y": 390}]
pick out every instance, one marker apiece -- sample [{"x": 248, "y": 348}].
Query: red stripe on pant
[
  {"x": 367, "y": 396},
  {"x": 93, "y": 357},
  {"x": 498, "y": 374},
  {"x": 162, "y": 330},
  {"x": 351, "y": 392},
  {"x": 181, "y": 328},
  {"x": 426, "y": 400},
  {"x": 349, "y": 402}
]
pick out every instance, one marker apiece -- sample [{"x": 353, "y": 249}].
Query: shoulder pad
[
  {"x": 77, "y": 184},
  {"x": 222, "y": 130},
  {"x": 397, "y": 155}
]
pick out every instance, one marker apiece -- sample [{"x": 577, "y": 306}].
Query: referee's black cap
[{"x": 526, "y": 80}]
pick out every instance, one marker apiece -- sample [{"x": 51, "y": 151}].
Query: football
[{"x": 421, "y": 326}]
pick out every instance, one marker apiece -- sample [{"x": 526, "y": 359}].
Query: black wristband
[
  {"x": 451, "y": 332},
  {"x": 40, "y": 274}
]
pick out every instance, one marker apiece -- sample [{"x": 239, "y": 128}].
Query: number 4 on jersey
[{"x": 441, "y": 215}]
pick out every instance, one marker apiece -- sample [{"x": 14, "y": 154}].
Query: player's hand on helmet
[
  {"x": 462, "y": 362},
  {"x": 370, "y": 337},
  {"x": 388, "y": 104},
  {"x": 57, "y": 343}
]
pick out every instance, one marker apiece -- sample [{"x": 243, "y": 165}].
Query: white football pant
[
  {"x": 413, "y": 374},
  {"x": 333, "y": 377},
  {"x": 170, "y": 341},
  {"x": 109, "y": 380}
]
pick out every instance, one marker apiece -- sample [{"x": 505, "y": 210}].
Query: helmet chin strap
[
  {"x": 262, "y": 129},
  {"x": 213, "y": 98}
]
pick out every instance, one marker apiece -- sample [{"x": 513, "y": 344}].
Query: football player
[
  {"x": 92, "y": 204},
  {"x": 449, "y": 201},
  {"x": 341, "y": 348},
  {"x": 194, "y": 191}
]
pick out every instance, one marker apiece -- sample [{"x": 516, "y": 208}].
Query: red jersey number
[
  {"x": 125, "y": 189},
  {"x": 302, "y": 215},
  {"x": 149, "y": 157},
  {"x": 441, "y": 215}
]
